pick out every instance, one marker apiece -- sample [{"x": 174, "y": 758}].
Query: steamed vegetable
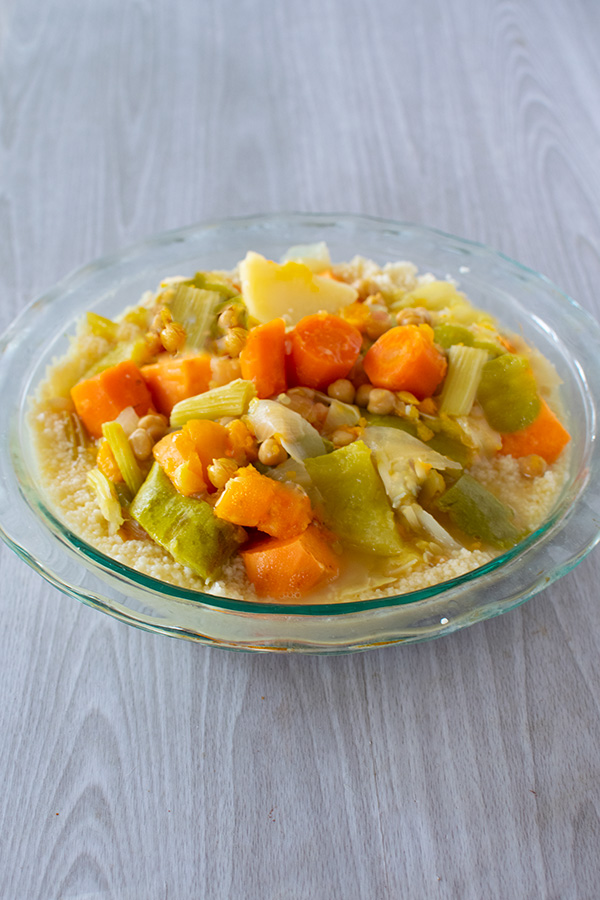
[
  {"x": 291, "y": 468},
  {"x": 315, "y": 256},
  {"x": 136, "y": 351},
  {"x": 545, "y": 437},
  {"x": 106, "y": 462},
  {"x": 106, "y": 498},
  {"x": 350, "y": 486},
  {"x": 508, "y": 393},
  {"x": 253, "y": 500},
  {"x": 324, "y": 348},
  {"x": 291, "y": 290},
  {"x": 262, "y": 359},
  {"x": 478, "y": 513},
  {"x": 403, "y": 462},
  {"x": 229, "y": 400},
  {"x": 101, "y": 398},
  {"x": 186, "y": 455},
  {"x": 406, "y": 359},
  {"x": 465, "y": 365},
  {"x": 194, "y": 308},
  {"x": 173, "y": 380},
  {"x": 123, "y": 455},
  {"x": 288, "y": 569},
  {"x": 187, "y": 528},
  {"x": 296, "y": 435}
]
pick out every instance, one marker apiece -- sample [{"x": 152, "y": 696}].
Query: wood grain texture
[{"x": 134, "y": 766}]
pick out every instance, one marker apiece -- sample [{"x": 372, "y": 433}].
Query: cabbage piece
[
  {"x": 106, "y": 498},
  {"x": 294, "y": 471},
  {"x": 403, "y": 462},
  {"x": 340, "y": 415},
  {"x": 418, "y": 519},
  {"x": 296, "y": 435}
]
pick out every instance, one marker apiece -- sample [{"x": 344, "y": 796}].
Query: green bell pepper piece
[
  {"x": 508, "y": 393},
  {"x": 187, "y": 528},
  {"x": 478, "y": 513},
  {"x": 356, "y": 506}
]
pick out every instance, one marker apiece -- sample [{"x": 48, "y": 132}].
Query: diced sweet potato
[{"x": 287, "y": 569}]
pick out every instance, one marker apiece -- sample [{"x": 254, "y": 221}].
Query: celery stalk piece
[
  {"x": 403, "y": 462},
  {"x": 462, "y": 379},
  {"x": 195, "y": 309},
  {"x": 137, "y": 351},
  {"x": 213, "y": 281},
  {"x": 479, "y": 514},
  {"x": 100, "y": 326},
  {"x": 123, "y": 454},
  {"x": 297, "y": 436},
  {"x": 106, "y": 497},
  {"x": 230, "y": 399},
  {"x": 75, "y": 433},
  {"x": 355, "y": 504},
  {"x": 187, "y": 528}
]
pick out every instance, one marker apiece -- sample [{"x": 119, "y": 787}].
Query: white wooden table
[{"x": 136, "y": 766}]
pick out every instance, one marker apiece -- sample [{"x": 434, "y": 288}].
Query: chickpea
[
  {"x": 154, "y": 425},
  {"x": 141, "y": 444},
  {"x": 154, "y": 343},
  {"x": 413, "y": 315},
  {"x": 173, "y": 337},
  {"x": 234, "y": 341},
  {"x": 271, "y": 453},
  {"x": 220, "y": 471},
  {"x": 363, "y": 393},
  {"x": 163, "y": 317},
  {"x": 228, "y": 318},
  {"x": 381, "y": 402},
  {"x": 342, "y": 390},
  {"x": 342, "y": 437}
]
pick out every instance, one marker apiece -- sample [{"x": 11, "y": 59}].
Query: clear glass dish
[{"x": 524, "y": 302}]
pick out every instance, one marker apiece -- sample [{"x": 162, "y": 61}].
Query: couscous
[{"x": 300, "y": 431}]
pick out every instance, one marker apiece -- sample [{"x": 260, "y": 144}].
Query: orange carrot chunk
[
  {"x": 101, "y": 398},
  {"x": 107, "y": 463},
  {"x": 177, "y": 457},
  {"x": 185, "y": 455},
  {"x": 211, "y": 441},
  {"x": 257, "y": 501},
  {"x": 324, "y": 348},
  {"x": 406, "y": 359},
  {"x": 177, "y": 379},
  {"x": 262, "y": 359},
  {"x": 286, "y": 569},
  {"x": 545, "y": 437}
]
